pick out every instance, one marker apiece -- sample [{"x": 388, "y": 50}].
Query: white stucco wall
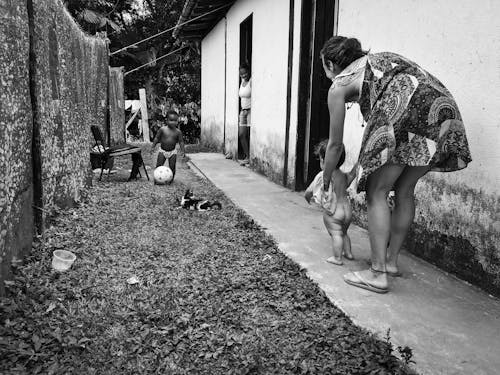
[
  {"x": 212, "y": 87},
  {"x": 294, "y": 99},
  {"x": 269, "y": 80},
  {"x": 457, "y": 41},
  {"x": 457, "y": 223}
]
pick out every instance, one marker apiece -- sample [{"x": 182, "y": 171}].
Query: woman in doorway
[
  {"x": 245, "y": 94},
  {"x": 413, "y": 126}
]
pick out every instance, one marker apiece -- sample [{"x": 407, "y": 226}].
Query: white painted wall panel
[
  {"x": 458, "y": 42},
  {"x": 212, "y": 87},
  {"x": 269, "y": 81}
]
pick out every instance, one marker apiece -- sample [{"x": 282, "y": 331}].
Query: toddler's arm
[
  {"x": 308, "y": 195},
  {"x": 156, "y": 139},
  {"x": 317, "y": 182},
  {"x": 181, "y": 143}
]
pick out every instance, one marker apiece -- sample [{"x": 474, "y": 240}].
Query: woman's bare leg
[
  {"x": 379, "y": 185},
  {"x": 403, "y": 212}
]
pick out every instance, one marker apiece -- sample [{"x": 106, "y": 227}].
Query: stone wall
[
  {"x": 53, "y": 86},
  {"x": 16, "y": 190},
  {"x": 71, "y": 93}
]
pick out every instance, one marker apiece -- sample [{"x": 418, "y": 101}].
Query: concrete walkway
[{"x": 452, "y": 327}]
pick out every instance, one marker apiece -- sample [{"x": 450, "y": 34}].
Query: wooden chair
[{"x": 105, "y": 153}]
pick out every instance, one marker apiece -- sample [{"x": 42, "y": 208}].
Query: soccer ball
[{"x": 163, "y": 175}]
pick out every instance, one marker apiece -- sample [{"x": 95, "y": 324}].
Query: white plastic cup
[{"x": 62, "y": 260}]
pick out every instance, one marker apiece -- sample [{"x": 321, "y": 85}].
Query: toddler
[
  {"x": 168, "y": 136},
  {"x": 337, "y": 211}
]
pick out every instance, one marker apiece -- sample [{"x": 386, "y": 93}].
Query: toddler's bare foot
[
  {"x": 392, "y": 270},
  {"x": 348, "y": 255},
  {"x": 334, "y": 260}
]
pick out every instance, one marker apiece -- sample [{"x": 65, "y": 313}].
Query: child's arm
[
  {"x": 351, "y": 175},
  {"x": 310, "y": 189},
  {"x": 308, "y": 194},
  {"x": 156, "y": 138},
  {"x": 181, "y": 143}
]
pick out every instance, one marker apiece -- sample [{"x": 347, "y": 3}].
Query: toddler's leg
[
  {"x": 171, "y": 164},
  {"x": 337, "y": 236},
  {"x": 347, "y": 247},
  {"x": 161, "y": 160}
]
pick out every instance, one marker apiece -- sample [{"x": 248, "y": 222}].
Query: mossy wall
[
  {"x": 53, "y": 86},
  {"x": 16, "y": 191},
  {"x": 456, "y": 228},
  {"x": 71, "y": 90}
]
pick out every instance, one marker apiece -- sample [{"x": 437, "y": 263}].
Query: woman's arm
[
  {"x": 342, "y": 88},
  {"x": 336, "y": 106}
]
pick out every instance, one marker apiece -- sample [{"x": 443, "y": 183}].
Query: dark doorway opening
[
  {"x": 319, "y": 20},
  {"x": 245, "y": 59}
]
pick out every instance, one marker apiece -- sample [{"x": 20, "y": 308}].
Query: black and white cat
[{"x": 189, "y": 202}]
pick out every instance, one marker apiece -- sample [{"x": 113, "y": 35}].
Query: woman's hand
[{"x": 328, "y": 200}]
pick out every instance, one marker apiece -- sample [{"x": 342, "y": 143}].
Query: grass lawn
[{"x": 215, "y": 295}]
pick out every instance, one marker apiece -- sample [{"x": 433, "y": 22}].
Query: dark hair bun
[{"x": 342, "y": 51}]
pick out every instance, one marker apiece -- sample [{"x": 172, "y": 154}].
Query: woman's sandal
[{"x": 360, "y": 282}]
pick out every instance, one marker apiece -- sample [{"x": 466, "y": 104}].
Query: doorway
[
  {"x": 319, "y": 22},
  {"x": 245, "y": 60}
]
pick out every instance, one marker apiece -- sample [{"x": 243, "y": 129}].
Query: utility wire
[
  {"x": 158, "y": 58},
  {"x": 167, "y": 30}
]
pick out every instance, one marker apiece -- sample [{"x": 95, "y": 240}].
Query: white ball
[{"x": 163, "y": 175}]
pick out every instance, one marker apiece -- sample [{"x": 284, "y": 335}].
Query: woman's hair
[
  {"x": 246, "y": 67},
  {"x": 342, "y": 51},
  {"x": 320, "y": 152}
]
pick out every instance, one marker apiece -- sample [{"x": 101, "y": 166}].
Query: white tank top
[{"x": 245, "y": 94}]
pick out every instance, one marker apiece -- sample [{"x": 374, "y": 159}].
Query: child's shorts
[{"x": 168, "y": 154}]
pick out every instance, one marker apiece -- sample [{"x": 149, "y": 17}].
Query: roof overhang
[{"x": 205, "y": 15}]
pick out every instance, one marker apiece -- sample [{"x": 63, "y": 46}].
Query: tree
[
  {"x": 173, "y": 79},
  {"x": 176, "y": 76},
  {"x": 98, "y": 15}
]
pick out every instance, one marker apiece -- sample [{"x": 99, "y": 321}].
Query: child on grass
[
  {"x": 337, "y": 213},
  {"x": 168, "y": 136}
]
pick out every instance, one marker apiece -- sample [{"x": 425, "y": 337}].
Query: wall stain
[{"x": 456, "y": 228}]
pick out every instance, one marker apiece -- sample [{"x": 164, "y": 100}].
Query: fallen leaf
[
  {"x": 133, "y": 280},
  {"x": 51, "y": 307}
]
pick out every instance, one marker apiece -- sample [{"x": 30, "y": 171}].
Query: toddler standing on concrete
[{"x": 337, "y": 212}]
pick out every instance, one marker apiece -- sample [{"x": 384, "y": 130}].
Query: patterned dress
[{"x": 411, "y": 118}]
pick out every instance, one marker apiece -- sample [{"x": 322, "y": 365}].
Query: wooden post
[{"x": 144, "y": 115}]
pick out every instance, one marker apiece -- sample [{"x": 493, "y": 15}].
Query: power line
[
  {"x": 158, "y": 58},
  {"x": 167, "y": 30}
]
